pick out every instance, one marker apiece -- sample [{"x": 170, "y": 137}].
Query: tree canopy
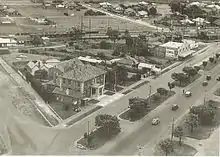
[
  {"x": 166, "y": 146},
  {"x": 108, "y": 124}
]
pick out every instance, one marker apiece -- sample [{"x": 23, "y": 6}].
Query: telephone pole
[
  {"x": 149, "y": 97},
  {"x": 115, "y": 82},
  {"x": 172, "y": 129}
]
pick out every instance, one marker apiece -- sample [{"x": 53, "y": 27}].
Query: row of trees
[
  {"x": 187, "y": 74},
  {"x": 191, "y": 11},
  {"x": 198, "y": 115}
]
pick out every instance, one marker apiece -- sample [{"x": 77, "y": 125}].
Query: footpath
[{"x": 43, "y": 108}]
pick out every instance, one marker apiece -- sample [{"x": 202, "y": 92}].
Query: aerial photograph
[{"x": 110, "y": 77}]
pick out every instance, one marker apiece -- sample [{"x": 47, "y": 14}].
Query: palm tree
[{"x": 178, "y": 132}]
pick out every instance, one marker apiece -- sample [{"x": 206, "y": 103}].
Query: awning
[
  {"x": 187, "y": 53},
  {"x": 96, "y": 85}
]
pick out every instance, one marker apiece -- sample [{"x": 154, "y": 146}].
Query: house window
[
  {"x": 69, "y": 82},
  {"x": 64, "y": 80}
]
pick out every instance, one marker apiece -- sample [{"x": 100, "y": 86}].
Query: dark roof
[
  {"x": 83, "y": 72},
  {"x": 72, "y": 94},
  {"x": 68, "y": 65}
]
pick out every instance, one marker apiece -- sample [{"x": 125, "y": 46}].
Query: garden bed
[
  {"x": 155, "y": 100},
  {"x": 186, "y": 83},
  {"x": 183, "y": 150},
  {"x": 202, "y": 131},
  {"x": 99, "y": 139}
]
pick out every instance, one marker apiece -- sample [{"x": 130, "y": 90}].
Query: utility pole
[
  {"x": 90, "y": 27},
  {"x": 115, "y": 81},
  {"x": 149, "y": 97},
  {"x": 205, "y": 97},
  {"x": 172, "y": 129}
]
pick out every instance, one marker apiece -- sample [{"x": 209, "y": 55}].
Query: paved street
[
  {"x": 64, "y": 139},
  {"x": 68, "y": 136}
]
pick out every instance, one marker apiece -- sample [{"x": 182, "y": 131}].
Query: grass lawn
[
  {"x": 217, "y": 92},
  {"x": 110, "y": 89},
  {"x": 202, "y": 131},
  {"x": 155, "y": 101},
  {"x": 183, "y": 150},
  {"x": 98, "y": 140},
  {"x": 186, "y": 83},
  {"x": 61, "y": 111}
]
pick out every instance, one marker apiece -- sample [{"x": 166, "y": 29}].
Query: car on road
[
  {"x": 205, "y": 83},
  {"x": 218, "y": 78},
  {"x": 66, "y": 14},
  {"x": 80, "y": 146},
  {"x": 174, "y": 107},
  {"x": 188, "y": 93},
  {"x": 208, "y": 77},
  {"x": 155, "y": 121}
]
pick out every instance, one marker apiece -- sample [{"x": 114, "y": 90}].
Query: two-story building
[
  {"x": 74, "y": 81},
  {"x": 175, "y": 49}
]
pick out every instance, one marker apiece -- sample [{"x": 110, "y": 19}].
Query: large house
[
  {"x": 33, "y": 66},
  {"x": 73, "y": 81}
]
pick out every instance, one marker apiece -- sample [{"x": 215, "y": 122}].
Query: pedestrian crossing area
[{"x": 109, "y": 99}]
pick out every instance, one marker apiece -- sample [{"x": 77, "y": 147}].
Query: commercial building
[{"x": 175, "y": 50}]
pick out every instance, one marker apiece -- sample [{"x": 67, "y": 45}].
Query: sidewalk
[{"x": 38, "y": 102}]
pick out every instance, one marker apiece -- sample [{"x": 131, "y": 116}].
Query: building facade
[
  {"x": 173, "y": 49},
  {"x": 74, "y": 81}
]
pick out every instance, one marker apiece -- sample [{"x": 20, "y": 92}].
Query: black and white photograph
[{"x": 110, "y": 77}]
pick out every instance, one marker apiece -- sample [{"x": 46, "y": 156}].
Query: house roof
[
  {"x": 68, "y": 65},
  {"x": 7, "y": 40},
  {"x": 52, "y": 61},
  {"x": 83, "y": 72},
  {"x": 91, "y": 60},
  {"x": 125, "y": 61},
  {"x": 172, "y": 44},
  {"x": 143, "y": 13}
]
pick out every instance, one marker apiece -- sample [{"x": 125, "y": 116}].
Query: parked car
[
  {"x": 81, "y": 147},
  {"x": 218, "y": 78},
  {"x": 77, "y": 109},
  {"x": 208, "y": 77},
  {"x": 205, "y": 83},
  {"x": 174, "y": 107},
  {"x": 188, "y": 93},
  {"x": 66, "y": 14},
  {"x": 156, "y": 121}
]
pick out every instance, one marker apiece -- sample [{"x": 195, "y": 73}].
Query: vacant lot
[{"x": 20, "y": 57}]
